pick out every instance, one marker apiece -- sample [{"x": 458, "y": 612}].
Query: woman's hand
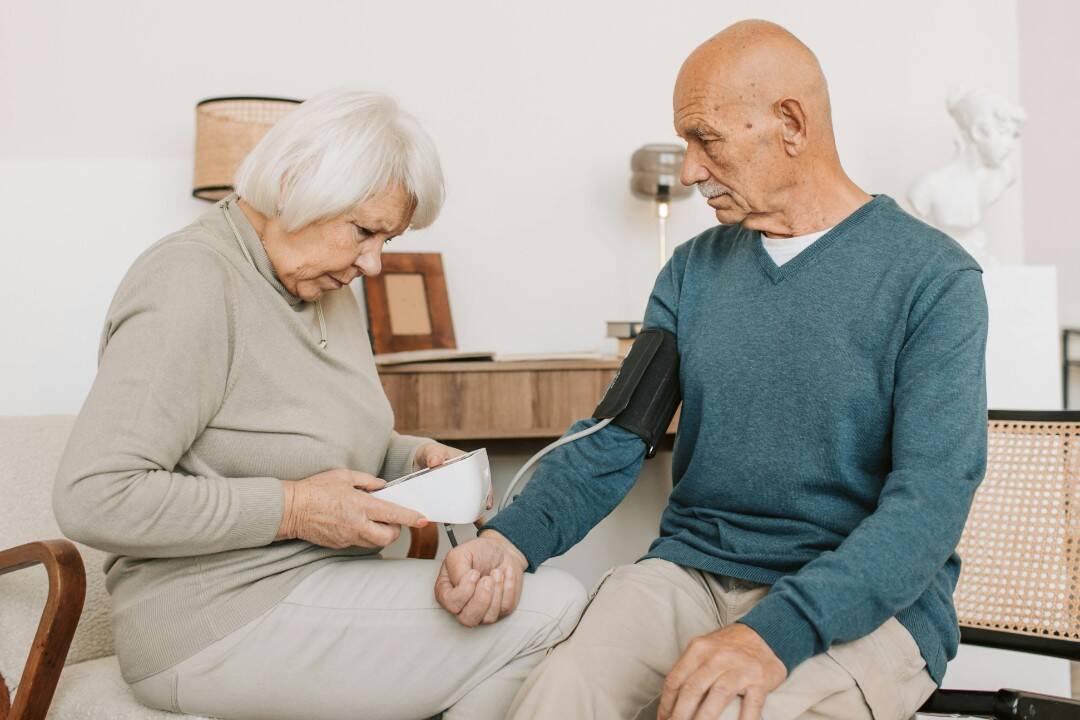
[
  {"x": 333, "y": 509},
  {"x": 434, "y": 454}
]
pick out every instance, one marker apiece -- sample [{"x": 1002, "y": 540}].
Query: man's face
[{"x": 730, "y": 148}]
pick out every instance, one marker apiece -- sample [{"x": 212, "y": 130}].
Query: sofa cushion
[
  {"x": 94, "y": 690},
  {"x": 30, "y": 449}
]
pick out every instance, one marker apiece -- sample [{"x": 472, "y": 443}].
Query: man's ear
[{"x": 792, "y": 125}]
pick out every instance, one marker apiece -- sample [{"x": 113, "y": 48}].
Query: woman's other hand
[
  {"x": 433, "y": 454},
  {"x": 333, "y": 509}
]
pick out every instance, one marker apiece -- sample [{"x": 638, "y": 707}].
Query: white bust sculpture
[{"x": 954, "y": 197}]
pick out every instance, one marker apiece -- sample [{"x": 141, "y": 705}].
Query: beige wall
[{"x": 1049, "y": 60}]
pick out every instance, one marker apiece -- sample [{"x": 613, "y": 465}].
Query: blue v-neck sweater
[{"x": 833, "y": 431}]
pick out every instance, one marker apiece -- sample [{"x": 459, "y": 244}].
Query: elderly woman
[{"x": 226, "y": 451}]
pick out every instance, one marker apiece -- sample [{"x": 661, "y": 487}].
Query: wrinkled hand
[
  {"x": 434, "y": 454},
  {"x": 333, "y": 509},
  {"x": 714, "y": 669},
  {"x": 480, "y": 580}
]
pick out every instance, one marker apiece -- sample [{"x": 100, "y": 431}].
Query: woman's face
[{"x": 331, "y": 254}]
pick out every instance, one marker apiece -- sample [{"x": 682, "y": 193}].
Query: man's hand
[
  {"x": 480, "y": 580},
  {"x": 714, "y": 669}
]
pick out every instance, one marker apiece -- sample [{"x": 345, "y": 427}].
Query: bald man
[{"x": 832, "y": 435}]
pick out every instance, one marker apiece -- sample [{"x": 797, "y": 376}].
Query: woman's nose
[{"x": 370, "y": 262}]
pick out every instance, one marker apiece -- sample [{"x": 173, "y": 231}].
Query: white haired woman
[{"x": 236, "y": 423}]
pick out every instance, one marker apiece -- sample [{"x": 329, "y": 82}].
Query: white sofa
[{"x": 90, "y": 685}]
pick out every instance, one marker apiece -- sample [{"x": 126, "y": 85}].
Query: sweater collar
[
  {"x": 778, "y": 274},
  {"x": 255, "y": 250}
]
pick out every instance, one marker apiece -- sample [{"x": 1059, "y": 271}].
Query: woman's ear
[{"x": 792, "y": 125}]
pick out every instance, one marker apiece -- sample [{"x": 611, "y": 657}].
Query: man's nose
[
  {"x": 370, "y": 262},
  {"x": 693, "y": 171}
]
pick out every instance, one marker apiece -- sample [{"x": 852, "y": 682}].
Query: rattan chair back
[{"x": 1020, "y": 549}]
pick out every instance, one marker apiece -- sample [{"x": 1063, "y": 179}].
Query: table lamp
[
  {"x": 226, "y": 129},
  {"x": 655, "y": 177}
]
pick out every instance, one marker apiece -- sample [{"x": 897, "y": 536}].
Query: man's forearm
[{"x": 573, "y": 489}]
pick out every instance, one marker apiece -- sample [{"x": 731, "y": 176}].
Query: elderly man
[{"x": 832, "y": 435}]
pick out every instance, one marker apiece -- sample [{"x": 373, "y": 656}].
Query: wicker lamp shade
[{"x": 226, "y": 129}]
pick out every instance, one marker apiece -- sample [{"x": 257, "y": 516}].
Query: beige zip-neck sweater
[{"x": 212, "y": 386}]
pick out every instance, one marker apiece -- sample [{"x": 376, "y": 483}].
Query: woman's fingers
[
  {"x": 388, "y": 512},
  {"x": 363, "y": 481},
  {"x": 434, "y": 454},
  {"x": 380, "y": 534}
]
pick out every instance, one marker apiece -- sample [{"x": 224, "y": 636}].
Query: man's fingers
[
  {"x": 692, "y": 694},
  {"x": 752, "y": 704},
  {"x": 457, "y": 563},
  {"x": 511, "y": 589},
  {"x": 444, "y": 589},
  {"x": 673, "y": 683},
  {"x": 478, "y": 605},
  {"x": 495, "y": 609},
  {"x": 388, "y": 512},
  {"x": 718, "y": 697},
  {"x": 454, "y": 596}
]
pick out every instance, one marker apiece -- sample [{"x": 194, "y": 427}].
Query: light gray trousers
[{"x": 365, "y": 638}]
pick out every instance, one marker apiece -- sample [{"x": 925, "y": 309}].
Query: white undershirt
[{"x": 783, "y": 249}]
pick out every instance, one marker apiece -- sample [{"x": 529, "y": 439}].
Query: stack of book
[{"x": 624, "y": 332}]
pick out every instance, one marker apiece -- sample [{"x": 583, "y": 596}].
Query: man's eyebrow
[{"x": 700, "y": 130}]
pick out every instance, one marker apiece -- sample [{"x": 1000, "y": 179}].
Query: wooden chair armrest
[
  {"x": 59, "y": 618},
  {"x": 423, "y": 543}
]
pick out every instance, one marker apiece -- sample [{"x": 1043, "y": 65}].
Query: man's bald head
[
  {"x": 758, "y": 63},
  {"x": 753, "y": 105}
]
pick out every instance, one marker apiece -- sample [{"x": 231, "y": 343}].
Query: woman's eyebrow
[{"x": 374, "y": 224}]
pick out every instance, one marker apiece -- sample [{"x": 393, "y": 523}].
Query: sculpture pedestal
[{"x": 1022, "y": 350}]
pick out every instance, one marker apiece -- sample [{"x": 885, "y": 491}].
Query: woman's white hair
[{"x": 336, "y": 150}]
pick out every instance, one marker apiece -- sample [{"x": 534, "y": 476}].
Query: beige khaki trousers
[
  {"x": 643, "y": 616},
  {"x": 365, "y": 639}
]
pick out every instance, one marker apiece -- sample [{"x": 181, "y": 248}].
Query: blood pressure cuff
[{"x": 644, "y": 393}]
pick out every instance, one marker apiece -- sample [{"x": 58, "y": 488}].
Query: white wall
[{"x": 536, "y": 108}]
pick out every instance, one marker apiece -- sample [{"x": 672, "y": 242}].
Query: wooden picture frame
[{"x": 407, "y": 304}]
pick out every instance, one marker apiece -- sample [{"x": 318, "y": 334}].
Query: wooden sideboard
[{"x": 494, "y": 400}]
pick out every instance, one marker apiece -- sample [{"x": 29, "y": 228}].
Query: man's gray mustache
[{"x": 711, "y": 189}]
